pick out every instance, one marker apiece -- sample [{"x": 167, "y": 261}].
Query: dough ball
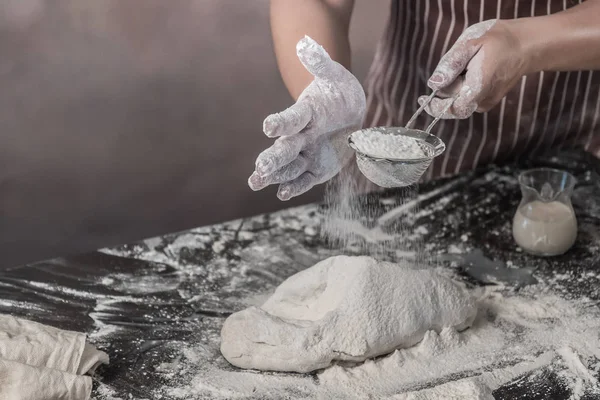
[{"x": 344, "y": 308}]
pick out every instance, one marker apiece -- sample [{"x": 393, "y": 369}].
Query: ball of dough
[{"x": 344, "y": 308}]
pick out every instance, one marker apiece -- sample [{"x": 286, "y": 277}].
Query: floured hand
[
  {"x": 312, "y": 134},
  {"x": 486, "y": 61}
]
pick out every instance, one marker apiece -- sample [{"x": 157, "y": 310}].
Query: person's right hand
[
  {"x": 484, "y": 64},
  {"x": 312, "y": 145}
]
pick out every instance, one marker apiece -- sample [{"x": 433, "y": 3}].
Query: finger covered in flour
[
  {"x": 282, "y": 152},
  {"x": 288, "y": 122},
  {"x": 316, "y": 60},
  {"x": 287, "y": 173},
  {"x": 296, "y": 187},
  {"x": 455, "y": 61}
]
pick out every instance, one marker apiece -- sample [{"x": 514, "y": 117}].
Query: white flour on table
[
  {"x": 514, "y": 333},
  {"x": 511, "y": 336}
]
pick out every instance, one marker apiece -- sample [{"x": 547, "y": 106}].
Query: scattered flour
[
  {"x": 469, "y": 389},
  {"x": 344, "y": 308},
  {"x": 375, "y": 143},
  {"x": 512, "y": 335},
  {"x": 413, "y": 203},
  {"x": 580, "y": 378},
  {"x": 105, "y": 392}
]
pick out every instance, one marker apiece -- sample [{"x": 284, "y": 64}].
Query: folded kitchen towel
[
  {"x": 39, "y": 362},
  {"x": 20, "y": 381}
]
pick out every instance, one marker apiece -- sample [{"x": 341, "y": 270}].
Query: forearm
[
  {"x": 565, "y": 41},
  {"x": 326, "y": 21}
]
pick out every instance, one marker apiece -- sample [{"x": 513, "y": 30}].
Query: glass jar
[{"x": 545, "y": 222}]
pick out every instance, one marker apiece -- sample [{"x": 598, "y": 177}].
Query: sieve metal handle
[
  {"x": 428, "y": 130},
  {"x": 420, "y": 110},
  {"x": 425, "y": 104}
]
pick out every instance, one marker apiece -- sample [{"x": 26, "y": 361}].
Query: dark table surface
[{"x": 148, "y": 304}]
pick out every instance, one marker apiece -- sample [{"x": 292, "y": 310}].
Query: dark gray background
[{"x": 123, "y": 119}]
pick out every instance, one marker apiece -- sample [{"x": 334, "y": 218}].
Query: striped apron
[{"x": 547, "y": 110}]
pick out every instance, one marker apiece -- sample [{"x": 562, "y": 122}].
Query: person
[{"x": 523, "y": 73}]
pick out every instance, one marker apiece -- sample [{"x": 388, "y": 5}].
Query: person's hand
[
  {"x": 486, "y": 61},
  {"x": 312, "y": 145}
]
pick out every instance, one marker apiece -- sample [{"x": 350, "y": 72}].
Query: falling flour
[
  {"x": 375, "y": 143},
  {"x": 347, "y": 309},
  {"x": 351, "y": 220}
]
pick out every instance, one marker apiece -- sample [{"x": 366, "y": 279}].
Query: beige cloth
[{"x": 39, "y": 362}]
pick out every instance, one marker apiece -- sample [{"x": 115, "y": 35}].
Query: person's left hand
[{"x": 486, "y": 61}]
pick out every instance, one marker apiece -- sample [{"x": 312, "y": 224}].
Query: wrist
[
  {"x": 566, "y": 41},
  {"x": 534, "y": 43}
]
